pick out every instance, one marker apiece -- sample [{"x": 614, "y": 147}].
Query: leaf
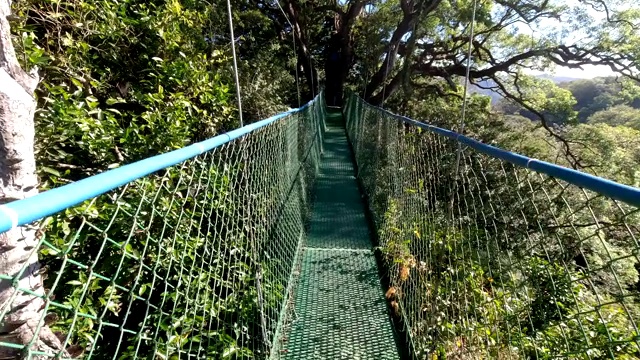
[
  {"x": 76, "y": 82},
  {"x": 229, "y": 351},
  {"x": 74, "y": 282},
  {"x": 89, "y": 338},
  {"x": 48, "y": 251},
  {"x": 51, "y": 171},
  {"x": 143, "y": 289}
]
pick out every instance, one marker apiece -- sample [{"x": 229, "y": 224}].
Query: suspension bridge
[{"x": 356, "y": 234}]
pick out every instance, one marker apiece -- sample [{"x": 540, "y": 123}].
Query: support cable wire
[
  {"x": 254, "y": 251},
  {"x": 466, "y": 83},
  {"x": 295, "y": 52},
  {"x": 384, "y": 83},
  {"x": 365, "y": 78},
  {"x": 510, "y": 247},
  {"x": 313, "y": 77},
  {"x": 235, "y": 61},
  {"x": 406, "y": 73},
  {"x": 464, "y": 106},
  {"x": 455, "y": 226}
]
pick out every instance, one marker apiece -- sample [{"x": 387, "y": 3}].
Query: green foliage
[
  {"x": 591, "y": 97},
  {"x": 119, "y": 282},
  {"x": 595, "y": 95},
  {"x": 544, "y": 96},
  {"x": 162, "y": 267},
  {"x": 618, "y": 115},
  {"x": 612, "y": 152},
  {"x": 609, "y": 100},
  {"x": 117, "y": 75},
  {"x": 489, "y": 260},
  {"x": 122, "y": 81},
  {"x": 190, "y": 261}
]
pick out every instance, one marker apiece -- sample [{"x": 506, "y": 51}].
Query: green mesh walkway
[{"x": 340, "y": 310}]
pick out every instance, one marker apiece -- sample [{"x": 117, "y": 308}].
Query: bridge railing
[
  {"x": 183, "y": 255},
  {"x": 494, "y": 255}
]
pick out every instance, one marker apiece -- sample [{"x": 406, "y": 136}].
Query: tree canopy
[
  {"x": 123, "y": 80},
  {"x": 425, "y": 43}
]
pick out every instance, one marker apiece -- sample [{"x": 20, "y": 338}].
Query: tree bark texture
[
  {"x": 340, "y": 55},
  {"x": 305, "y": 60},
  {"x": 21, "y": 314}
]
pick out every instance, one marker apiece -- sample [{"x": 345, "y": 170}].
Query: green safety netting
[
  {"x": 225, "y": 256},
  {"x": 338, "y": 309},
  {"x": 190, "y": 262},
  {"x": 490, "y": 260}
]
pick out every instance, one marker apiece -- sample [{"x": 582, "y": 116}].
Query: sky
[{"x": 588, "y": 72}]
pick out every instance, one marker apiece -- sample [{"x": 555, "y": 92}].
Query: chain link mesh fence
[
  {"x": 192, "y": 261},
  {"x": 488, "y": 259}
]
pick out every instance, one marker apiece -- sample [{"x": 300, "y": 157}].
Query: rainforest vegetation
[{"x": 115, "y": 82}]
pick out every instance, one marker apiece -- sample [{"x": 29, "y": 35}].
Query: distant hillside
[
  {"x": 557, "y": 79},
  {"x": 479, "y": 89},
  {"x": 495, "y": 96},
  {"x": 608, "y": 100}
]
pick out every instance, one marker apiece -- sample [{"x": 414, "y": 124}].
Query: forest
[
  {"x": 99, "y": 84},
  {"x": 600, "y": 121}
]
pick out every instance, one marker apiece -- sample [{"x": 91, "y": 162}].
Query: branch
[
  {"x": 349, "y": 18},
  {"x": 594, "y": 6},
  {"x": 410, "y": 15},
  {"x": 574, "y": 161},
  {"x": 523, "y": 10},
  {"x": 562, "y": 55}
]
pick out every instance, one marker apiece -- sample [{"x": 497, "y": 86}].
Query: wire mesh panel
[
  {"x": 191, "y": 261},
  {"x": 340, "y": 310},
  {"x": 488, "y": 259},
  {"x": 337, "y": 308}
]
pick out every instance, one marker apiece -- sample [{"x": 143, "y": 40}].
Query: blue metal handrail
[
  {"x": 21, "y": 212},
  {"x": 611, "y": 189}
]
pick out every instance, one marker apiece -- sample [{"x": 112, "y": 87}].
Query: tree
[
  {"x": 594, "y": 95},
  {"x": 619, "y": 115},
  {"x": 610, "y": 151},
  {"x": 131, "y": 71},
  {"x": 393, "y": 44},
  {"x": 24, "y": 310}
]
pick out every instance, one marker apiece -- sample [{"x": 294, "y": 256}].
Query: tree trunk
[
  {"x": 21, "y": 313},
  {"x": 336, "y": 69},
  {"x": 305, "y": 60},
  {"x": 386, "y": 91},
  {"x": 340, "y": 53}
]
